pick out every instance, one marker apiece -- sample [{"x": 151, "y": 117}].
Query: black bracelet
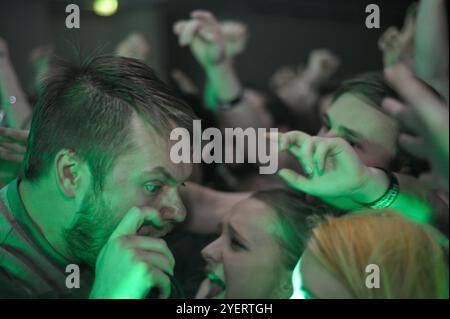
[
  {"x": 391, "y": 194},
  {"x": 229, "y": 104}
]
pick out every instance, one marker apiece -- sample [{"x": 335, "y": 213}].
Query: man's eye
[{"x": 152, "y": 188}]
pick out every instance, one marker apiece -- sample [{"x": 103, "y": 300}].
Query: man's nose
[{"x": 172, "y": 208}]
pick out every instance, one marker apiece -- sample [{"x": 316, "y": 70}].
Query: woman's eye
[
  {"x": 152, "y": 188},
  {"x": 236, "y": 245}
]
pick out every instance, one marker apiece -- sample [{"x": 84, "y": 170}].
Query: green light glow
[
  {"x": 297, "y": 282},
  {"x": 105, "y": 7}
]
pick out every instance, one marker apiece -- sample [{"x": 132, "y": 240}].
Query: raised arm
[
  {"x": 431, "y": 46},
  {"x": 336, "y": 175},
  {"x": 204, "y": 35}
]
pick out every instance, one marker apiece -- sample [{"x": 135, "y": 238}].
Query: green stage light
[{"x": 105, "y": 7}]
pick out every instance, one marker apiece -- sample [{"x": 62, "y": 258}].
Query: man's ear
[{"x": 68, "y": 172}]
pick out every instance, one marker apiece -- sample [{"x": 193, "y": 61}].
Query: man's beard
[{"x": 93, "y": 226}]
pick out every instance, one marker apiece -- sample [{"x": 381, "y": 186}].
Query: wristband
[
  {"x": 230, "y": 104},
  {"x": 389, "y": 197}
]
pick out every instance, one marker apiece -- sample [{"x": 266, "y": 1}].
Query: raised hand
[
  {"x": 204, "y": 36},
  {"x": 322, "y": 64},
  {"x": 424, "y": 118},
  {"x": 235, "y": 34},
  {"x": 332, "y": 167},
  {"x": 134, "y": 46}
]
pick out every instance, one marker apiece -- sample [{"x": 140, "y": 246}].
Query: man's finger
[
  {"x": 189, "y": 32},
  {"x": 320, "y": 156},
  {"x": 179, "y": 26},
  {"x": 293, "y": 137},
  {"x": 424, "y": 102},
  {"x": 295, "y": 180},
  {"x": 161, "y": 281},
  {"x": 151, "y": 244},
  {"x": 205, "y": 16},
  {"x": 133, "y": 220},
  {"x": 156, "y": 260},
  {"x": 306, "y": 152}
]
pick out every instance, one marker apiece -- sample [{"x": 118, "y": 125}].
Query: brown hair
[
  {"x": 87, "y": 108},
  {"x": 295, "y": 216},
  {"x": 411, "y": 261}
]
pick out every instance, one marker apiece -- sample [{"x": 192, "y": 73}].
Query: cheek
[
  {"x": 239, "y": 272},
  {"x": 124, "y": 198},
  {"x": 373, "y": 156},
  {"x": 251, "y": 275}
]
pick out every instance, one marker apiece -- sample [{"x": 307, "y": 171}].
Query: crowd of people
[{"x": 362, "y": 183}]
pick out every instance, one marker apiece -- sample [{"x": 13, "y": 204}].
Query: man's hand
[
  {"x": 236, "y": 36},
  {"x": 332, "y": 167},
  {"x": 204, "y": 36},
  {"x": 322, "y": 64},
  {"x": 424, "y": 119},
  {"x": 135, "y": 46},
  {"x": 129, "y": 266}
]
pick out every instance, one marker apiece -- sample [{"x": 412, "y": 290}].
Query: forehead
[
  {"x": 354, "y": 113},
  {"x": 254, "y": 219},
  {"x": 150, "y": 149}
]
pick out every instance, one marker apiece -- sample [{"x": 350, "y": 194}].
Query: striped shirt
[{"x": 29, "y": 266}]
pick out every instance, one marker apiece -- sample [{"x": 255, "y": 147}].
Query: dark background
[{"x": 281, "y": 32}]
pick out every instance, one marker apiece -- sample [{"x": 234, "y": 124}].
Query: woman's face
[
  {"x": 372, "y": 134},
  {"x": 246, "y": 260}
]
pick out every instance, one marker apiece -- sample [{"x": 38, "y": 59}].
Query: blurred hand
[
  {"x": 396, "y": 46},
  {"x": 283, "y": 76},
  {"x": 204, "y": 36},
  {"x": 235, "y": 35},
  {"x": 322, "y": 64},
  {"x": 425, "y": 121},
  {"x": 129, "y": 266},
  {"x": 134, "y": 46},
  {"x": 332, "y": 167}
]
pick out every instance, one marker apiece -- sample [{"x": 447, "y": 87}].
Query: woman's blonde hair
[{"x": 411, "y": 262}]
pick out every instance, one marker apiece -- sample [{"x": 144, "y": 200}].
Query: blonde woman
[{"x": 403, "y": 259}]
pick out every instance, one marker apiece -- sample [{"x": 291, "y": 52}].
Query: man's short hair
[{"x": 87, "y": 108}]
